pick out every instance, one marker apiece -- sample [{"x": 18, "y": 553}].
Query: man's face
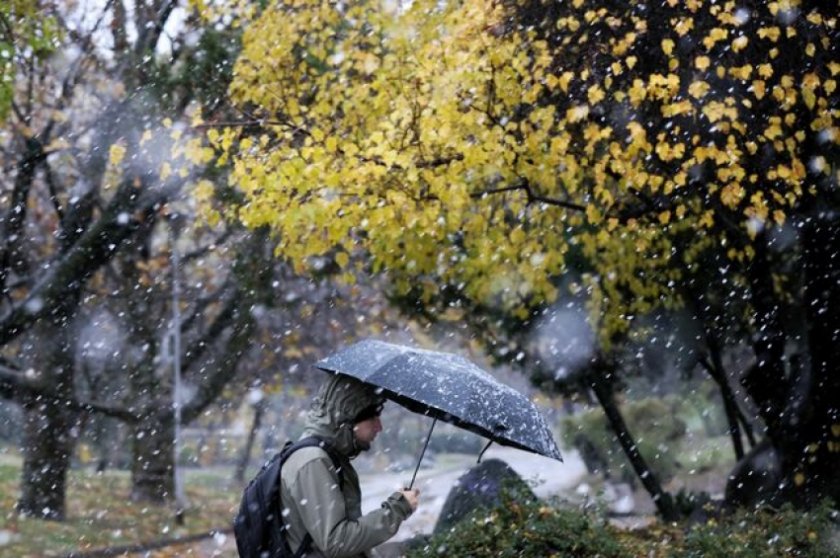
[{"x": 366, "y": 431}]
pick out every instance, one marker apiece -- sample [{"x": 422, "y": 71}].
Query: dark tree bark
[
  {"x": 86, "y": 241},
  {"x": 730, "y": 409},
  {"x": 153, "y": 459},
  {"x": 47, "y": 441},
  {"x": 245, "y": 459},
  {"x": 602, "y": 387},
  {"x": 12, "y": 257},
  {"x": 800, "y": 409},
  {"x": 766, "y": 382},
  {"x": 734, "y": 416},
  {"x": 814, "y": 404}
]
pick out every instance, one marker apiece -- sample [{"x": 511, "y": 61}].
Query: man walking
[{"x": 320, "y": 493}]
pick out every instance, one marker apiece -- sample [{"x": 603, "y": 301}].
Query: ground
[{"x": 100, "y": 514}]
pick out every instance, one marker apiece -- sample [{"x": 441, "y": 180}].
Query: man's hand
[{"x": 411, "y": 497}]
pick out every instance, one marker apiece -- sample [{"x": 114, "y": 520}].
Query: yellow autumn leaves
[{"x": 454, "y": 148}]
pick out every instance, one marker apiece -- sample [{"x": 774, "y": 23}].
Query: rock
[
  {"x": 622, "y": 502},
  {"x": 480, "y": 487},
  {"x": 756, "y": 478}
]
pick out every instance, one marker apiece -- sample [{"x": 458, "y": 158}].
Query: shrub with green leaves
[
  {"x": 764, "y": 533},
  {"x": 30, "y": 33},
  {"x": 518, "y": 528}
]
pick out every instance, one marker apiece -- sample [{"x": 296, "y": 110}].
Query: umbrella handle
[{"x": 422, "y": 453}]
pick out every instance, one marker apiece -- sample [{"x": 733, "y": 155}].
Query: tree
[
  {"x": 84, "y": 143},
  {"x": 469, "y": 149}
]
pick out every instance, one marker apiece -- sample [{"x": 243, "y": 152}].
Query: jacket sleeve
[{"x": 320, "y": 505}]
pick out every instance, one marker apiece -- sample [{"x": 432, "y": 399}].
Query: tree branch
[
  {"x": 196, "y": 350},
  {"x": 95, "y": 248},
  {"x": 199, "y": 252},
  {"x": 525, "y": 186},
  {"x": 225, "y": 369},
  {"x": 14, "y": 384},
  {"x": 151, "y": 30}
]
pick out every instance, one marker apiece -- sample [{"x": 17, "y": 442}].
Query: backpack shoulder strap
[{"x": 311, "y": 441}]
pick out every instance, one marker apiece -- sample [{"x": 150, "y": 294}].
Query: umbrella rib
[{"x": 422, "y": 453}]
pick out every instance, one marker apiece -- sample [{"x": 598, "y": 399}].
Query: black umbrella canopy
[{"x": 450, "y": 388}]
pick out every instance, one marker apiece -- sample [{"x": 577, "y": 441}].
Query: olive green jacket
[{"x": 310, "y": 498}]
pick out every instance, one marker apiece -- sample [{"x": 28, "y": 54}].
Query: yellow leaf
[
  {"x": 714, "y": 111},
  {"x": 715, "y": 35},
  {"x": 667, "y": 46},
  {"x": 331, "y": 144},
  {"x": 698, "y": 89},
  {"x": 637, "y": 92},
  {"x": 774, "y": 130},
  {"x": 809, "y": 97},
  {"x": 116, "y": 153},
  {"x": 595, "y": 94},
  {"x": 564, "y": 81},
  {"x": 675, "y": 109},
  {"x": 731, "y": 195},
  {"x": 771, "y": 33},
  {"x": 577, "y": 113},
  {"x": 593, "y": 215},
  {"x": 701, "y": 62},
  {"x": 765, "y": 70},
  {"x": 342, "y": 259},
  {"x": 684, "y": 25},
  {"x": 740, "y": 43},
  {"x": 743, "y": 72}
]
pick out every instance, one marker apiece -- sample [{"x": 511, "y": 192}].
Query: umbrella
[{"x": 447, "y": 387}]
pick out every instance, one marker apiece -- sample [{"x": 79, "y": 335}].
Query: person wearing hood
[{"x": 314, "y": 500}]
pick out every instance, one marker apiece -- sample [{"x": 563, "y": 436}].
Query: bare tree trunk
[
  {"x": 153, "y": 462},
  {"x": 242, "y": 466},
  {"x": 48, "y": 444},
  {"x": 603, "y": 391},
  {"x": 730, "y": 405},
  {"x": 813, "y": 401}
]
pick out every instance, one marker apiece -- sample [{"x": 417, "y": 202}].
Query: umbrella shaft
[{"x": 422, "y": 453}]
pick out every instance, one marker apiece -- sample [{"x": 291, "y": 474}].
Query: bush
[
  {"x": 520, "y": 528},
  {"x": 763, "y": 533}
]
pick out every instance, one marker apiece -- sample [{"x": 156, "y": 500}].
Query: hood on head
[{"x": 339, "y": 401}]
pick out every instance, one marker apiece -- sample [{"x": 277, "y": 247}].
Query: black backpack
[{"x": 258, "y": 527}]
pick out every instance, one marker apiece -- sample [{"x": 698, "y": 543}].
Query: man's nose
[{"x": 378, "y": 424}]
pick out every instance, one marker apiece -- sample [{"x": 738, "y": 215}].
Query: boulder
[
  {"x": 756, "y": 479},
  {"x": 481, "y": 487}
]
